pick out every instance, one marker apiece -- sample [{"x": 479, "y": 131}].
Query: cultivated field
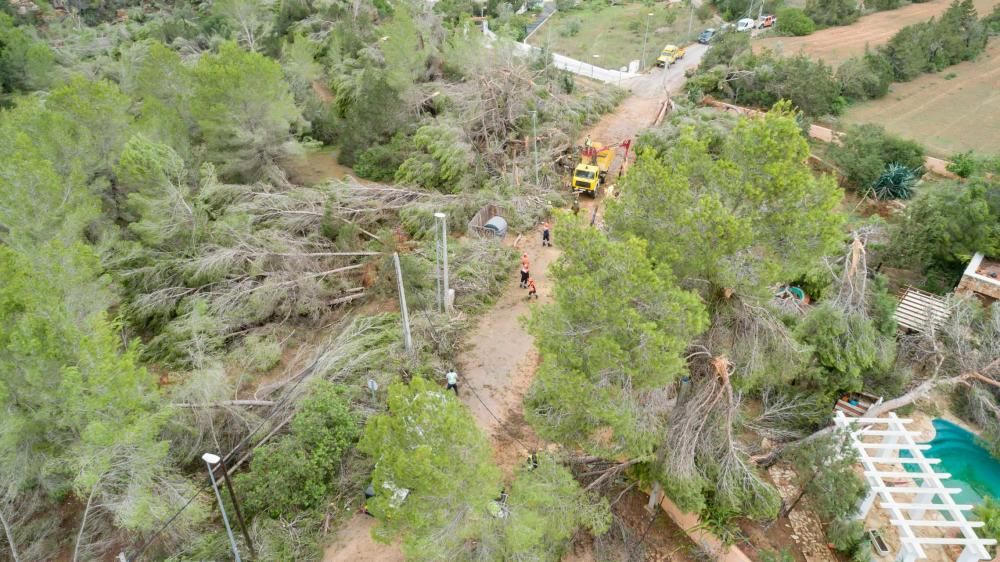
[
  {"x": 945, "y": 115},
  {"x": 615, "y": 33},
  {"x": 836, "y": 44}
]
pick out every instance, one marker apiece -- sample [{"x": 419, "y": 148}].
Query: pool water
[{"x": 971, "y": 466}]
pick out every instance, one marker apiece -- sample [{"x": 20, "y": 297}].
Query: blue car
[{"x": 706, "y": 36}]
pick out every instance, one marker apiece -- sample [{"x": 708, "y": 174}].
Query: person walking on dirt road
[
  {"x": 532, "y": 290},
  {"x": 576, "y": 204},
  {"x": 452, "y": 378},
  {"x": 524, "y": 270},
  {"x": 546, "y": 234}
]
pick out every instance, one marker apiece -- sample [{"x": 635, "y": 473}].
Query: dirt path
[
  {"x": 836, "y": 44},
  {"x": 499, "y": 357}
]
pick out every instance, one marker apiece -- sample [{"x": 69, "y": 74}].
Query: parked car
[
  {"x": 669, "y": 55},
  {"x": 766, "y": 21},
  {"x": 706, "y": 36},
  {"x": 745, "y": 24}
]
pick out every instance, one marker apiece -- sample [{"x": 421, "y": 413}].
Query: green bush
[
  {"x": 571, "y": 28},
  {"x": 866, "y": 151},
  {"x": 297, "y": 471},
  {"x": 793, "y": 21},
  {"x": 864, "y": 78},
  {"x": 832, "y": 12},
  {"x": 848, "y": 537},
  {"x": 968, "y": 164},
  {"x": 933, "y": 45},
  {"x": 762, "y": 79},
  {"x": 882, "y": 5},
  {"x": 725, "y": 47},
  {"x": 380, "y": 161},
  {"x": 992, "y": 21}
]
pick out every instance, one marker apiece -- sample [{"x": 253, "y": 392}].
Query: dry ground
[
  {"x": 945, "y": 115},
  {"x": 835, "y": 44}
]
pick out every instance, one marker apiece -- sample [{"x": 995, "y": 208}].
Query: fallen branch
[{"x": 225, "y": 404}]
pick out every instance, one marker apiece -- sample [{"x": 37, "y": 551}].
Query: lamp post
[
  {"x": 534, "y": 137},
  {"x": 644, "y": 35},
  {"x": 210, "y": 461}
]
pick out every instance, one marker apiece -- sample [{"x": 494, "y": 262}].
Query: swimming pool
[{"x": 971, "y": 467}]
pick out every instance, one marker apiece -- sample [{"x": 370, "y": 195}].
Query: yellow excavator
[{"x": 595, "y": 161}]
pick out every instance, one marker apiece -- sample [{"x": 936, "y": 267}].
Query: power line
[
  {"x": 500, "y": 423},
  {"x": 277, "y": 407}
]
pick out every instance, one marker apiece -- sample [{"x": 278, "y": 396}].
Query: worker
[
  {"x": 546, "y": 235},
  {"x": 532, "y": 290},
  {"x": 576, "y": 204},
  {"x": 586, "y": 142},
  {"x": 452, "y": 378},
  {"x": 524, "y": 271}
]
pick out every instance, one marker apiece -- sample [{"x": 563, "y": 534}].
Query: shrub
[
  {"x": 793, "y": 21},
  {"x": 848, "y": 536},
  {"x": 571, "y": 28},
  {"x": 297, "y": 471},
  {"x": 945, "y": 224},
  {"x": 832, "y": 12},
  {"x": 704, "y": 12},
  {"x": 882, "y": 5},
  {"x": 896, "y": 182},
  {"x": 864, "y": 78},
  {"x": 933, "y": 45},
  {"x": 992, "y": 22},
  {"x": 565, "y": 5},
  {"x": 968, "y": 164},
  {"x": 867, "y": 150},
  {"x": 726, "y": 47}
]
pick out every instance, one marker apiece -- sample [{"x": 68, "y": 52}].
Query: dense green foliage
[
  {"x": 761, "y": 79},
  {"x": 633, "y": 343},
  {"x": 825, "y": 469},
  {"x": 931, "y": 46},
  {"x": 25, "y": 62},
  {"x": 794, "y": 21},
  {"x": 945, "y": 225},
  {"x": 866, "y": 151},
  {"x": 298, "y": 470},
  {"x": 832, "y": 12},
  {"x": 690, "y": 202}
]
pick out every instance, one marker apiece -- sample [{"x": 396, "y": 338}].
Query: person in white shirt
[{"x": 452, "y": 377}]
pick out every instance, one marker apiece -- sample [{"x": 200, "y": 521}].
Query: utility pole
[
  {"x": 642, "y": 63},
  {"x": 441, "y": 236},
  {"x": 407, "y": 338},
  {"x": 211, "y": 460},
  {"x": 534, "y": 136},
  {"x": 236, "y": 506},
  {"x": 690, "y": 16}
]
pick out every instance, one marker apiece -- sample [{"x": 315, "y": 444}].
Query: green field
[{"x": 615, "y": 33}]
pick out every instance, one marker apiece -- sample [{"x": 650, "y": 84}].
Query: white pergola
[{"x": 908, "y": 505}]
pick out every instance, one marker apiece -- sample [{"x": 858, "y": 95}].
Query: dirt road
[
  {"x": 498, "y": 359},
  {"x": 836, "y": 44}
]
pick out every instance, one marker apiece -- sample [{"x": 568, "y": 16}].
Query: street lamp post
[
  {"x": 644, "y": 35},
  {"x": 534, "y": 137},
  {"x": 210, "y": 461}
]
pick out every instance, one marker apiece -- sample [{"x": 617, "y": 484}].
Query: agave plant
[{"x": 896, "y": 182}]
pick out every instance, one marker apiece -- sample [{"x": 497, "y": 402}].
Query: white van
[{"x": 745, "y": 24}]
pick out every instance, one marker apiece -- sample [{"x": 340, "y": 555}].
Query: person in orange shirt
[
  {"x": 532, "y": 290},
  {"x": 524, "y": 270},
  {"x": 546, "y": 235}
]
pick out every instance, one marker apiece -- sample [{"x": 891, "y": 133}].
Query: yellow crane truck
[{"x": 595, "y": 161}]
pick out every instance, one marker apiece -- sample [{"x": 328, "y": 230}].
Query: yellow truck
[
  {"x": 594, "y": 163},
  {"x": 669, "y": 55}
]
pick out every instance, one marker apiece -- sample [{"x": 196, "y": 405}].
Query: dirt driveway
[{"x": 836, "y": 44}]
